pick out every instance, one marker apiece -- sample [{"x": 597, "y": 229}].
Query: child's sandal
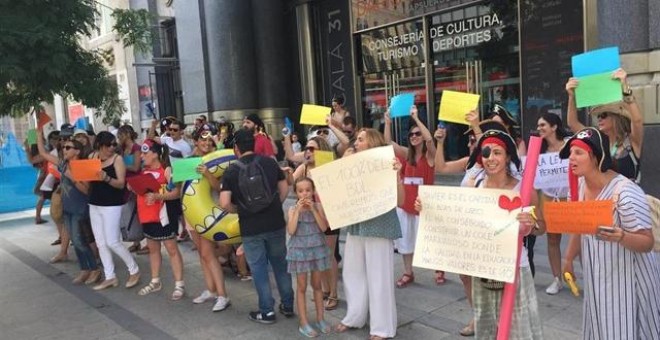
[
  {"x": 152, "y": 287},
  {"x": 178, "y": 293}
]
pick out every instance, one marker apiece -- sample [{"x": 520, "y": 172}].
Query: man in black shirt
[{"x": 263, "y": 232}]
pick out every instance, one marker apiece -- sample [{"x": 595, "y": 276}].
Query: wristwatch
[{"x": 627, "y": 91}]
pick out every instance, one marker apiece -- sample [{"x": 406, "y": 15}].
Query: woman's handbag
[{"x": 131, "y": 229}]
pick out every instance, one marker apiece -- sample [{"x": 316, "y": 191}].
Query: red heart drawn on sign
[{"x": 508, "y": 204}]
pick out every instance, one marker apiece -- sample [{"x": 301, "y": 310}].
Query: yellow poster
[
  {"x": 468, "y": 231},
  {"x": 323, "y": 157},
  {"x": 314, "y": 114},
  {"x": 357, "y": 188},
  {"x": 455, "y": 105}
]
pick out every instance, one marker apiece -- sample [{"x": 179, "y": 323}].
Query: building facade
[{"x": 226, "y": 59}]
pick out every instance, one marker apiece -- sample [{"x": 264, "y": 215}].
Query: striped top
[{"x": 622, "y": 287}]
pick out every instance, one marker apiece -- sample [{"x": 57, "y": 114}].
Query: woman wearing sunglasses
[
  {"x": 74, "y": 208},
  {"x": 106, "y": 197},
  {"x": 622, "y": 122},
  {"x": 418, "y": 170}
]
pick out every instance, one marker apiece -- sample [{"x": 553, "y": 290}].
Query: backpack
[
  {"x": 654, "y": 210},
  {"x": 256, "y": 192}
]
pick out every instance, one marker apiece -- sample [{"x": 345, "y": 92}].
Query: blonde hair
[
  {"x": 621, "y": 128},
  {"x": 373, "y": 137},
  {"x": 321, "y": 142}
]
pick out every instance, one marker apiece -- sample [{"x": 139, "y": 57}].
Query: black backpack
[{"x": 256, "y": 192}]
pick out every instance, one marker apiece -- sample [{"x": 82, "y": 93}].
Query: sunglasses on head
[
  {"x": 322, "y": 132},
  {"x": 205, "y": 135},
  {"x": 69, "y": 147},
  {"x": 414, "y": 134}
]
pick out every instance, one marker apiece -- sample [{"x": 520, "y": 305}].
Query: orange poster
[
  {"x": 85, "y": 170},
  {"x": 577, "y": 217}
]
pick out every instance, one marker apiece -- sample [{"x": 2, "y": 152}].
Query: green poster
[{"x": 597, "y": 89}]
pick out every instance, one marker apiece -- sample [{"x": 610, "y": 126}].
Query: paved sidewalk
[{"x": 39, "y": 302}]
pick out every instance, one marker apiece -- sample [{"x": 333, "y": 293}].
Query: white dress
[{"x": 622, "y": 287}]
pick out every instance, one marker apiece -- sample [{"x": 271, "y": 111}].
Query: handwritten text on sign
[
  {"x": 577, "y": 217},
  {"x": 551, "y": 172},
  {"x": 463, "y": 230},
  {"x": 357, "y": 188}
]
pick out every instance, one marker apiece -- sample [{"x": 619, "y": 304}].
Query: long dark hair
[
  {"x": 412, "y": 152},
  {"x": 560, "y": 132}
]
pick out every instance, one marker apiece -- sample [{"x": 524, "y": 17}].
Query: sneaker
[
  {"x": 205, "y": 296},
  {"x": 246, "y": 277},
  {"x": 554, "y": 287},
  {"x": 260, "y": 317},
  {"x": 221, "y": 303},
  {"x": 288, "y": 312}
]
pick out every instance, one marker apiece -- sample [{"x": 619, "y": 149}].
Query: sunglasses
[
  {"x": 602, "y": 115},
  {"x": 322, "y": 132},
  {"x": 414, "y": 134},
  {"x": 310, "y": 148},
  {"x": 173, "y": 130},
  {"x": 69, "y": 147},
  {"x": 113, "y": 144}
]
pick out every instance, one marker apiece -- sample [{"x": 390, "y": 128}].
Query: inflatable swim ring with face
[{"x": 199, "y": 208}]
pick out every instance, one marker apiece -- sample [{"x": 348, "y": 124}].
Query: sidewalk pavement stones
[{"x": 38, "y": 300}]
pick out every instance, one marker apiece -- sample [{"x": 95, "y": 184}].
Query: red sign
[{"x": 76, "y": 111}]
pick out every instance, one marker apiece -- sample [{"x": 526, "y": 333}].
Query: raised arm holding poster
[
  {"x": 469, "y": 231},
  {"x": 357, "y": 188}
]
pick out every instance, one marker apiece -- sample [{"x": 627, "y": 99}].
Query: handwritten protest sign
[
  {"x": 314, "y": 114},
  {"x": 84, "y": 170},
  {"x": 323, "y": 157},
  {"x": 577, "y": 217},
  {"x": 455, "y": 105},
  {"x": 468, "y": 231},
  {"x": 551, "y": 172},
  {"x": 400, "y": 105},
  {"x": 357, "y": 188}
]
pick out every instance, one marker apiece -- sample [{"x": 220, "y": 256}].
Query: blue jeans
[
  {"x": 83, "y": 251},
  {"x": 259, "y": 251}
]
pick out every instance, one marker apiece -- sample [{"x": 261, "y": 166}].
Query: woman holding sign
[
  {"x": 211, "y": 268},
  {"x": 621, "y": 276},
  {"x": 622, "y": 122},
  {"x": 369, "y": 264},
  {"x": 74, "y": 209},
  {"x": 496, "y": 152},
  {"x": 160, "y": 226},
  {"x": 418, "y": 170},
  {"x": 551, "y": 129}
]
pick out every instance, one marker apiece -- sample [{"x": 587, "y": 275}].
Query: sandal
[
  {"x": 439, "y": 277},
  {"x": 468, "y": 330},
  {"x": 308, "y": 331},
  {"x": 134, "y": 248},
  {"x": 178, "y": 293},
  {"x": 331, "y": 303},
  {"x": 341, "y": 328},
  {"x": 152, "y": 287},
  {"x": 375, "y": 337},
  {"x": 405, "y": 280},
  {"x": 323, "y": 327}
]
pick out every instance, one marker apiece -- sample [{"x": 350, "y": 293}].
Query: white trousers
[
  {"x": 105, "y": 226},
  {"x": 409, "y": 226},
  {"x": 368, "y": 284}
]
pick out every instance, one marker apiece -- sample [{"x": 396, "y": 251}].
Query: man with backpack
[{"x": 255, "y": 187}]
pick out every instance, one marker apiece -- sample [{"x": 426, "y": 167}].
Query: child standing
[{"x": 308, "y": 253}]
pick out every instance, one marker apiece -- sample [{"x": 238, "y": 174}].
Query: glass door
[{"x": 379, "y": 88}]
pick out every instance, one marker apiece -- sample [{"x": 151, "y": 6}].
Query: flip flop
[{"x": 308, "y": 331}]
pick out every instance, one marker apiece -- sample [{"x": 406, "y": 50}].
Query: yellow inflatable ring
[{"x": 201, "y": 211}]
